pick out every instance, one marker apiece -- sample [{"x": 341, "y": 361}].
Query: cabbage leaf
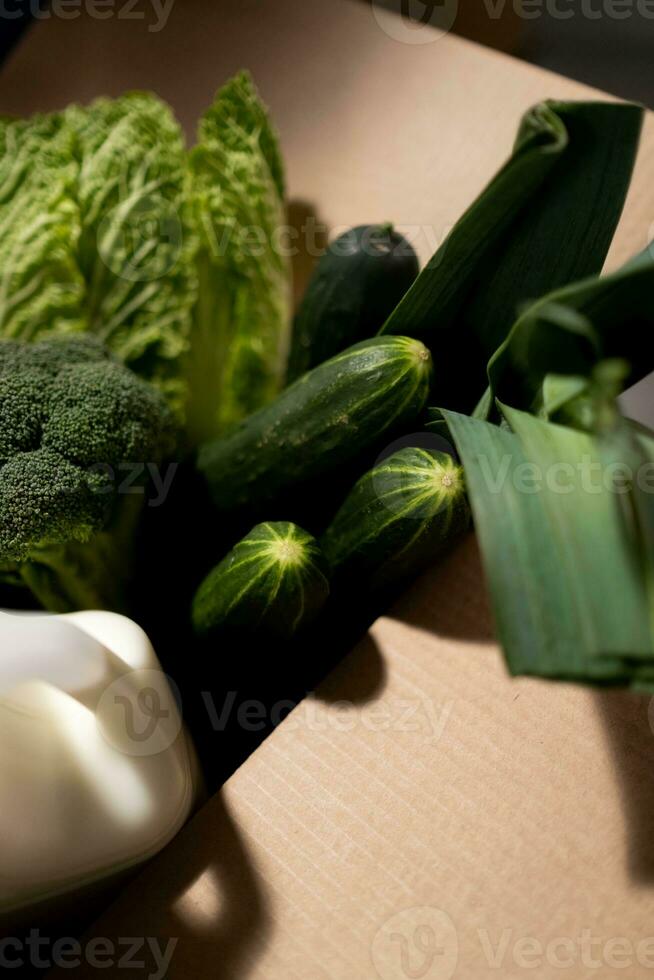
[
  {"x": 42, "y": 289},
  {"x": 240, "y": 331},
  {"x": 172, "y": 257},
  {"x": 134, "y": 251}
]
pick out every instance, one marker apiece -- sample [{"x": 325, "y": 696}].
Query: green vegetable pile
[
  {"x": 112, "y": 227},
  {"x": 325, "y": 462}
]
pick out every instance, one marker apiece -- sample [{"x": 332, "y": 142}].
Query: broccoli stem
[{"x": 93, "y": 575}]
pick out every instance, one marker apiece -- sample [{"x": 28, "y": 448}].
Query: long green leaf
[
  {"x": 134, "y": 250},
  {"x": 546, "y": 219},
  {"x": 644, "y": 515},
  {"x": 241, "y": 325},
  {"x": 41, "y": 284},
  {"x": 560, "y": 549},
  {"x": 567, "y": 331}
]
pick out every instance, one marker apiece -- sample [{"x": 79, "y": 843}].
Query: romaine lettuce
[
  {"x": 240, "y": 333},
  {"x": 109, "y": 225},
  {"x": 135, "y": 252},
  {"x": 41, "y": 286}
]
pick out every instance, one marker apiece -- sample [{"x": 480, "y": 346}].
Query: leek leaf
[
  {"x": 559, "y": 390},
  {"x": 562, "y": 553},
  {"x": 546, "y": 219},
  {"x": 567, "y": 331}
]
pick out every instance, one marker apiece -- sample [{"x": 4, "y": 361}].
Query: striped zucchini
[
  {"x": 326, "y": 419},
  {"x": 398, "y": 518},
  {"x": 273, "y": 582}
]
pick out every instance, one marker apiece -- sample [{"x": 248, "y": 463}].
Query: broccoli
[{"x": 71, "y": 416}]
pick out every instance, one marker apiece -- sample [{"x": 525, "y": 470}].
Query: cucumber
[
  {"x": 323, "y": 421},
  {"x": 273, "y": 582},
  {"x": 355, "y": 287},
  {"x": 398, "y": 518}
]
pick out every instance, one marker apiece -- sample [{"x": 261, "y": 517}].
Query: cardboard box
[{"x": 422, "y": 815}]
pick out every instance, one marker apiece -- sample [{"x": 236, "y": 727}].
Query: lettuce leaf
[
  {"x": 240, "y": 332},
  {"x": 41, "y": 285},
  {"x": 108, "y": 224},
  {"x": 135, "y": 252}
]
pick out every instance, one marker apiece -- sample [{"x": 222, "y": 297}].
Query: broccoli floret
[
  {"x": 71, "y": 416},
  {"x": 50, "y": 356},
  {"x": 45, "y": 501},
  {"x": 21, "y": 415},
  {"x": 84, "y": 398}
]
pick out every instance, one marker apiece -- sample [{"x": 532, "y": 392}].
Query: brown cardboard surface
[
  {"x": 420, "y": 804},
  {"x": 423, "y": 815}
]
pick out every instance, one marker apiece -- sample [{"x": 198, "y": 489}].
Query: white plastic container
[{"x": 96, "y": 771}]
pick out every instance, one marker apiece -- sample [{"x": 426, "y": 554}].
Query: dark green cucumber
[
  {"x": 398, "y": 518},
  {"x": 355, "y": 287},
  {"x": 326, "y": 419},
  {"x": 273, "y": 582}
]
